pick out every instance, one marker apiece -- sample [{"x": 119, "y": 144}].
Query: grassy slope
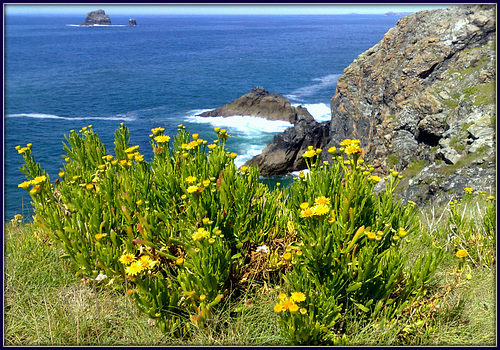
[{"x": 45, "y": 304}]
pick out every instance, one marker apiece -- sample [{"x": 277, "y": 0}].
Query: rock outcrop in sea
[
  {"x": 132, "y": 22},
  {"x": 260, "y": 103},
  {"x": 98, "y": 17},
  {"x": 422, "y": 101}
]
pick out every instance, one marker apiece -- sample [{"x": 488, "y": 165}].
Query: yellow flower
[
  {"x": 287, "y": 256},
  {"x": 491, "y": 198},
  {"x": 138, "y": 157},
  {"x": 211, "y": 146},
  {"x": 375, "y": 179},
  {"x": 286, "y": 304},
  {"x": 162, "y": 139},
  {"x": 24, "y": 185},
  {"x": 307, "y": 213},
  {"x": 318, "y": 151},
  {"x": 179, "y": 261},
  {"x": 200, "y": 234},
  {"x": 282, "y": 296},
  {"x": 298, "y": 296},
  {"x": 126, "y": 259},
  {"x": 146, "y": 262},
  {"x": 217, "y": 129},
  {"x": 278, "y": 308},
  {"x": 332, "y": 150},
  {"x": 39, "y": 179},
  {"x": 18, "y": 147},
  {"x": 353, "y": 149},
  {"x": 468, "y": 190},
  {"x": 394, "y": 173},
  {"x": 29, "y": 145},
  {"x": 190, "y": 179},
  {"x": 206, "y": 182},
  {"x": 35, "y": 189},
  {"x": 18, "y": 216},
  {"x": 461, "y": 253},
  {"x": 320, "y": 209},
  {"x": 303, "y": 311},
  {"x": 244, "y": 168},
  {"x": 304, "y": 205},
  {"x": 193, "y": 189},
  {"x": 131, "y": 149},
  {"x": 402, "y": 232},
  {"x": 370, "y": 235},
  {"x": 157, "y": 131},
  {"x": 322, "y": 200},
  {"x": 195, "y": 136},
  {"x": 294, "y": 308},
  {"x": 61, "y": 174},
  {"x": 205, "y": 221},
  {"x": 134, "y": 268},
  {"x": 98, "y": 236},
  {"x": 301, "y": 174},
  {"x": 233, "y": 155},
  {"x": 309, "y": 154},
  {"x": 346, "y": 142},
  {"x": 89, "y": 186}
]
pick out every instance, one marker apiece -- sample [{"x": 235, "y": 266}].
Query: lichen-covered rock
[
  {"x": 425, "y": 93},
  {"x": 98, "y": 17}
]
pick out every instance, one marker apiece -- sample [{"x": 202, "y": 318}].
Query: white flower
[
  {"x": 100, "y": 277},
  {"x": 262, "y": 248}
]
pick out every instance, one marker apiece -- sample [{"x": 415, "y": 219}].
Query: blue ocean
[{"x": 60, "y": 76}]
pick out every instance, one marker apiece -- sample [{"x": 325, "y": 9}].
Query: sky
[{"x": 229, "y": 9}]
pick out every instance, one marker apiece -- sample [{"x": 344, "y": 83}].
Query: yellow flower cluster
[
  {"x": 22, "y": 150},
  {"x": 289, "y": 304},
  {"x": 162, "y": 138},
  {"x": 133, "y": 154},
  {"x": 37, "y": 183},
  {"x": 200, "y": 234},
  {"x": 378, "y": 235},
  {"x": 135, "y": 266},
  {"x": 461, "y": 253},
  {"x": 157, "y": 131},
  {"x": 468, "y": 190},
  {"x": 321, "y": 207},
  {"x": 311, "y": 152},
  {"x": 351, "y": 146}
]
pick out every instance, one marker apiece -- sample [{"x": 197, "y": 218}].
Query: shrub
[{"x": 187, "y": 232}]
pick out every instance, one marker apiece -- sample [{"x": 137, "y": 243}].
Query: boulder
[
  {"x": 98, "y": 17},
  {"x": 284, "y": 153},
  {"x": 260, "y": 103}
]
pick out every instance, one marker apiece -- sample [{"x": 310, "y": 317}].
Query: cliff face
[{"x": 423, "y": 100}]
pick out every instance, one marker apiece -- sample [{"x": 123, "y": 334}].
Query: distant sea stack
[
  {"x": 132, "y": 22},
  {"x": 98, "y": 17}
]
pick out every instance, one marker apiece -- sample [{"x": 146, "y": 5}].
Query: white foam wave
[
  {"x": 50, "y": 116},
  {"x": 322, "y": 83},
  {"x": 246, "y": 124},
  {"x": 250, "y": 152},
  {"x": 320, "y": 111}
]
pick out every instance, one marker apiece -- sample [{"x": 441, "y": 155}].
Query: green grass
[{"x": 45, "y": 304}]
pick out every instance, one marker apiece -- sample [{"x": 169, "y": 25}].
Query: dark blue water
[{"x": 59, "y": 76}]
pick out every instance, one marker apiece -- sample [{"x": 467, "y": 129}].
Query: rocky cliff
[
  {"x": 422, "y": 101},
  {"x": 260, "y": 103},
  {"x": 98, "y": 17}
]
